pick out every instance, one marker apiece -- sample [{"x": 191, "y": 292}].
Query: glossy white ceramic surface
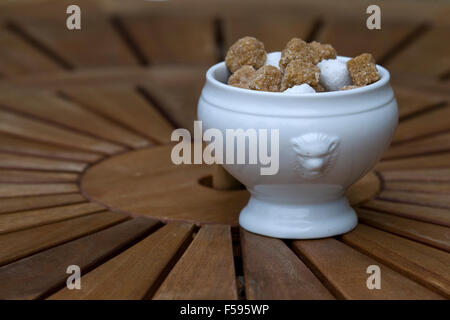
[{"x": 327, "y": 142}]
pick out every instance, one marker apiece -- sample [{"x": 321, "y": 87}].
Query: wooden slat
[
  {"x": 29, "y": 278},
  {"x": 343, "y": 270},
  {"x": 411, "y": 101},
  {"x": 425, "y": 199},
  {"x": 431, "y": 234},
  {"x": 426, "y": 187},
  {"x": 441, "y": 160},
  {"x": 27, "y": 219},
  {"x": 435, "y": 143},
  {"x": 125, "y": 105},
  {"x": 177, "y": 91},
  {"x": 7, "y": 175},
  {"x": 47, "y": 106},
  {"x": 20, "y": 190},
  {"x": 426, "y": 175},
  {"x": 434, "y": 121},
  {"x": 274, "y": 32},
  {"x": 421, "y": 213},
  {"x": 13, "y": 161},
  {"x": 136, "y": 271},
  {"x": 377, "y": 42},
  {"x": 23, "y": 243},
  {"x": 148, "y": 183},
  {"x": 14, "y": 144},
  {"x": 365, "y": 188},
  {"x": 273, "y": 271},
  {"x": 26, "y": 127},
  {"x": 97, "y": 44},
  {"x": 18, "y": 57},
  {"x": 428, "y": 266},
  {"x": 165, "y": 40},
  {"x": 428, "y": 55},
  {"x": 206, "y": 269},
  {"x": 38, "y": 202}
]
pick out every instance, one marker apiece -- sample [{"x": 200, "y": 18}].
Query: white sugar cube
[
  {"x": 334, "y": 74},
  {"x": 299, "y": 89},
  {"x": 273, "y": 59}
]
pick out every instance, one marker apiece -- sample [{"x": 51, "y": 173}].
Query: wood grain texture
[
  {"x": 165, "y": 40},
  {"x": 411, "y": 102},
  {"x": 430, "y": 234},
  {"x": 343, "y": 270},
  {"x": 23, "y": 243},
  {"x": 425, "y": 187},
  {"x": 20, "y": 190},
  {"x": 26, "y": 176},
  {"x": 15, "y": 204},
  {"x": 13, "y": 144},
  {"x": 206, "y": 269},
  {"x": 377, "y": 42},
  {"x": 18, "y": 57},
  {"x": 428, "y": 266},
  {"x": 136, "y": 271},
  {"x": 33, "y": 218},
  {"x": 435, "y": 143},
  {"x": 428, "y": 55},
  {"x": 146, "y": 182},
  {"x": 71, "y": 46},
  {"x": 13, "y": 161},
  {"x": 48, "y": 106},
  {"x": 177, "y": 90},
  {"x": 424, "y": 199},
  {"x": 364, "y": 189},
  {"x": 433, "y": 161},
  {"x": 432, "y": 122},
  {"x": 39, "y": 274},
  {"x": 274, "y": 32},
  {"x": 439, "y": 216},
  {"x": 29, "y": 128},
  {"x": 126, "y": 106},
  {"x": 425, "y": 175},
  {"x": 273, "y": 271}
]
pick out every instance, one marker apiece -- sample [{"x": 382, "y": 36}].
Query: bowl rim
[{"x": 211, "y": 78}]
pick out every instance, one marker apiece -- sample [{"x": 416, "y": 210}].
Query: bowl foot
[{"x": 298, "y": 221}]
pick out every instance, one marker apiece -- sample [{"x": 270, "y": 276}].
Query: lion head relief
[{"x": 314, "y": 154}]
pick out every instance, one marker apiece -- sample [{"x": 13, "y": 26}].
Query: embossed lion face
[{"x": 315, "y": 153}]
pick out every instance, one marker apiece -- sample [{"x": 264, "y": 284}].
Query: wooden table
[{"x": 86, "y": 179}]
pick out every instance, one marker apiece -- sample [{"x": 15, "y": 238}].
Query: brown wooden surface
[
  {"x": 136, "y": 271},
  {"x": 426, "y": 265},
  {"x": 343, "y": 269},
  {"x": 85, "y": 118},
  {"x": 49, "y": 267},
  {"x": 272, "y": 271},
  {"x": 206, "y": 269},
  {"x": 26, "y": 242}
]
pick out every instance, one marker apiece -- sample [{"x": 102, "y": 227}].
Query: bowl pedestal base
[{"x": 298, "y": 221}]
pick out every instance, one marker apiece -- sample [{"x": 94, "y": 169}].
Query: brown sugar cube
[
  {"x": 299, "y": 72},
  {"x": 363, "y": 70},
  {"x": 350, "y": 87},
  {"x": 242, "y": 77},
  {"x": 319, "y": 88},
  {"x": 267, "y": 78},
  {"x": 296, "y": 49},
  {"x": 319, "y": 51},
  {"x": 246, "y": 51}
]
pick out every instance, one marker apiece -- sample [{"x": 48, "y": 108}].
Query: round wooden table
[{"x": 86, "y": 178}]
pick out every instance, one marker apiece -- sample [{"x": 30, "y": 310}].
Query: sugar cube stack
[{"x": 301, "y": 67}]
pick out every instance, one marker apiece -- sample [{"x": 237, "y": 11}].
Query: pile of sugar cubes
[{"x": 300, "y": 68}]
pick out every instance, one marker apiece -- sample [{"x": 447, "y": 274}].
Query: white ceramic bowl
[{"x": 327, "y": 142}]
